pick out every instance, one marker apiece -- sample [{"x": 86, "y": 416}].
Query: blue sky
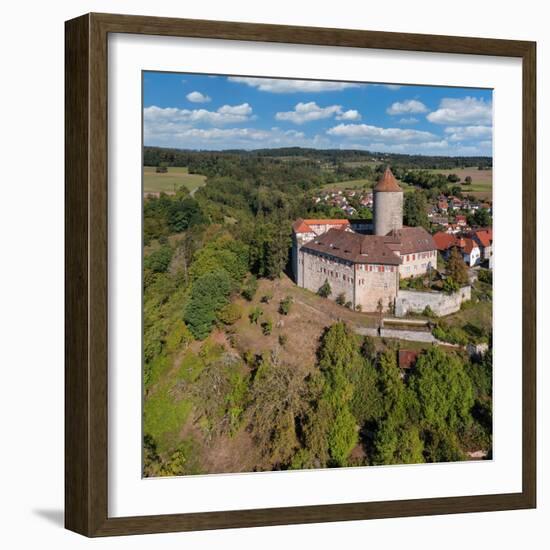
[{"x": 192, "y": 111}]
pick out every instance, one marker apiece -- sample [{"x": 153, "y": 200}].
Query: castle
[{"x": 364, "y": 268}]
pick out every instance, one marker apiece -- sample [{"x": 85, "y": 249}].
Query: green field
[
  {"x": 171, "y": 181},
  {"x": 482, "y": 180},
  {"x": 360, "y": 184}
]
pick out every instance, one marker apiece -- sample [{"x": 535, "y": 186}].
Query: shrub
[
  {"x": 284, "y": 306},
  {"x": 230, "y": 314},
  {"x": 255, "y": 314},
  {"x": 266, "y": 298},
  {"x": 325, "y": 290},
  {"x": 358, "y": 307},
  {"x": 348, "y": 305},
  {"x": 341, "y": 299},
  {"x": 485, "y": 276},
  {"x": 249, "y": 288},
  {"x": 428, "y": 312},
  {"x": 450, "y": 286},
  {"x": 283, "y": 339},
  {"x": 267, "y": 327}
]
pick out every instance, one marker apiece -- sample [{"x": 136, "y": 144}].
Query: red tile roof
[
  {"x": 300, "y": 226},
  {"x": 327, "y": 222},
  {"x": 303, "y": 226},
  {"x": 387, "y": 182},
  {"x": 444, "y": 241},
  {"x": 468, "y": 245},
  {"x": 484, "y": 236}
]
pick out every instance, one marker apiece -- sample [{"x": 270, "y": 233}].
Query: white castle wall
[
  {"x": 416, "y": 264},
  {"x": 440, "y": 303}
]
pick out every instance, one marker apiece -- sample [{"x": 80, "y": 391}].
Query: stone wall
[
  {"x": 316, "y": 269},
  {"x": 439, "y": 302},
  {"x": 362, "y": 285},
  {"x": 374, "y": 283}
]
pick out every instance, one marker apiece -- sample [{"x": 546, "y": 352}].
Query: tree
[
  {"x": 159, "y": 260},
  {"x": 415, "y": 210},
  {"x": 481, "y": 217},
  {"x": 222, "y": 253},
  {"x": 277, "y": 399},
  {"x": 453, "y": 178},
  {"x": 456, "y": 268},
  {"x": 325, "y": 290},
  {"x": 269, "y": 249},
  {"x": 443, "y": 389},
  {"x": 468, "y": 180},
  {"x": 209, "y": 293}
]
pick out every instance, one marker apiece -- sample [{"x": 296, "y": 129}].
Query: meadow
[{"x": 171, "y": 181}]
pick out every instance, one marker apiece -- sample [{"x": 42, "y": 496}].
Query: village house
[
  {"x": 484, "y": 239},
  {"x": 467, "y": 246},
  {"x": 364, "y": 268}
]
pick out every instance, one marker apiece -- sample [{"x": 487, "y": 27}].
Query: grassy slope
[{"x": 171, "y": 181}]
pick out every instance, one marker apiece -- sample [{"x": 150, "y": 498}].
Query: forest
[{"x": 225, "y": 390}]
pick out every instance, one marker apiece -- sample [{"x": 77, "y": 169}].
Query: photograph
[{"x": 317, "y": 274}]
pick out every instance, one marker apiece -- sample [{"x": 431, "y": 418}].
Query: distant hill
[{"x": 152, "y": 156}]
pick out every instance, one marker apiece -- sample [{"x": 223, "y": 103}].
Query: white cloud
[
  {"x": 407, "y": 106},
  {"x": 385, "y": 135},
  {"x": 408, "y": 120},
  {"x": 232, "y": 138},
  {"x": 468, "y": 110},
  {"x": 197, "y": 97},
  {"x": 284, "y": 86},
  {"x": 308, "y": 112},
  {"x": 351, "y": 114},
  {"x": 228, "y": 114},
  {"x": 464, "y": 133}
]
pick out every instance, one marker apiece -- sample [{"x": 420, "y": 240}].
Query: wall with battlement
[{"x": 440, "y": 303}]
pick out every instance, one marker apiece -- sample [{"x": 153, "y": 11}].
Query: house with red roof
[
  {"x": 484, "y": 239},
  {"x": 467, "y": 246}
]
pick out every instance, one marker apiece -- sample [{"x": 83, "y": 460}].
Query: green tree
[
  {"x": 415, "y": 210},
  {"x": 456, "y": 268},
  {"x": 443, "y": 389},
  {"x": 209, "y": 293},
  {"x": 159, "y": 260}
]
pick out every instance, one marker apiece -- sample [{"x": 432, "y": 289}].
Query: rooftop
[
  {"x": 353, "y": 247},
  {"x": 388, "y": 183}
]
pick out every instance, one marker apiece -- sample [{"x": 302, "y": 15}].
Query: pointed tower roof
[{"x": 387, "y": 182}]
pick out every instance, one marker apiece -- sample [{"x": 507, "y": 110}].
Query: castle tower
[{"x": 388, "y": 204}]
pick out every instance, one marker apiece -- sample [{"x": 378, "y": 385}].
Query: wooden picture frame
[{"x": 86, "y": 283}]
